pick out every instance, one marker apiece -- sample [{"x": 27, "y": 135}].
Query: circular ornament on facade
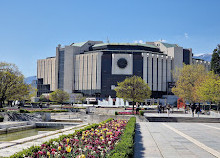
[{"x": 122, "y": 63}]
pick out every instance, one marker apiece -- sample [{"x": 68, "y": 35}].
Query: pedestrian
[
  {"x": 163, "y": 107},
  {"x": 40, "y": 105},
  {"x": 198, "y": 110},
  {"x": 159, "y": 108},
  {"x": 137, "y": 108},
  {"x": 193, "y": 107},
  {"x": 168, "y": 109}
]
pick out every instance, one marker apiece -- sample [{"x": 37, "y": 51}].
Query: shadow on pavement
[{"x": 138, "y": 143}]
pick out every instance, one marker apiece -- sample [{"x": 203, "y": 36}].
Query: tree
[
  {"x": 186, "y": 78},
  {"x": 44, "y": 98},
  {"x": 59, "y": 96},
  {"x": 208, "y": 88},
  {"x": 80, "y": 98},
  {"x": 12, "y": 86},
  {"x": 215, "y": 62},
  {"x": 133, "y": 89}
]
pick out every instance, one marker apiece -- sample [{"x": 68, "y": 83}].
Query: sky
[{"x": 31, "y": 29}]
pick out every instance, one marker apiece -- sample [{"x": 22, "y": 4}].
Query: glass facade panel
[{"x": 61, "y": 70}]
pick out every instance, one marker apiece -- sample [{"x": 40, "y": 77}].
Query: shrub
[
  {"x": 2, "y": 110},
  {"x": 28, "y": 151},
  {"x": 141, "y": 113},
  {"x": 24, "y": 111},
  {"x": 125, "y": 147},
  {"x": 1, "y": 118}
]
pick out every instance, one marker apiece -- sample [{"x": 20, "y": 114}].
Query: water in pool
[{"x": 23, "y": 134}]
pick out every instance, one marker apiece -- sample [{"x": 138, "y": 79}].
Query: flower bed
[
  {"x": 73, "y": 107},
  {"x": 128, "y": 113},
  {"x": 125, "y": 147},
  {"x": 96, "y": 140}
]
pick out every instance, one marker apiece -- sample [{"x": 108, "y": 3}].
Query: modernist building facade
[{"x": 94, "y": 68}]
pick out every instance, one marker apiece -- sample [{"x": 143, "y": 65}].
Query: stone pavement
[
  {"x": 179, "y": 115},
  {"x": 9, "y": 148},
  {"x": 177, "y": 140}
]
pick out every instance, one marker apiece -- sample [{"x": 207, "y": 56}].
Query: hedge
[
  {"x": 48, "y": 111},
  {"x": 32, "y": 149},
  {"x": 125, "y": 147},
  {"x": 141, "y": 113}
]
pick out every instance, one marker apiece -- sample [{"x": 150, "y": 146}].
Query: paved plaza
[
  {"x": 152, "y": 139},
  {"x": 177, "y": 140}
]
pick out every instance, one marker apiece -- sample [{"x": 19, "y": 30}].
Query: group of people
[
  {"x": 195, "y": 108},
  {"x": 161, "y": 108}
]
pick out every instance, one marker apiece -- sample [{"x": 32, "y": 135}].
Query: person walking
[
  {"x": 193, "y": 107},
  {"x": 168, "y": 109},
  {"x": 159, "y": 108},
  {"x": 198, "y": 110},
  {"x": 163, "y": 107}
]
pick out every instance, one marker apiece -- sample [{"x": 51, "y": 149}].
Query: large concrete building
[{"x": 94, "y": 68}]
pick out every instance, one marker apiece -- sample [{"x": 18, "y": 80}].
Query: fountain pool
[{"x": 23, "y": 134}]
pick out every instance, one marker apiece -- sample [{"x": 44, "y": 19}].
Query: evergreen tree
[{"x": 215, "y": 62}]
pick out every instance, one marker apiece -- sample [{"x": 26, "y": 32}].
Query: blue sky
[{"x": 31, "y": 30}]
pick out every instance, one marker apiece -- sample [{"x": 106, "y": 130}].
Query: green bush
[
  {"x": 125, "y": 147},
  {"x": 141, "y": 113},
  {"x": 24, "y": 111},
  {"x": 1, "y": 118},
  {"x": 28, "y": 151},
  {"x": 2, "y": 110},
  {"x": 48, "y": 111},
  {"x": 116, "y": 113}
]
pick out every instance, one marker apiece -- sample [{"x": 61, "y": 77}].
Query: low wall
[
  {"x": 33, "y": 117},
  {"x": 54, "y": 124},
  {"x": 99, "y": 118},
  {"x": 109, "y": 111},
  {"x": 15, "y": 129}
]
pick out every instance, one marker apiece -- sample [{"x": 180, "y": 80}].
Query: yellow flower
[
  {"x": 82, "y": 156},
  {"x": 59, "y": 147},
  {"x": 48, "y": 153},
  {"x": 92, "y": 129},
  {"x": 68, "y": 149},
  {"x": 67, "y": 140}
]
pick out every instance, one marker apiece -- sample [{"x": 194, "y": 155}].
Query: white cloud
[
  {"x": 186, "y": 35},
  {"x": 139, "y": 41}
]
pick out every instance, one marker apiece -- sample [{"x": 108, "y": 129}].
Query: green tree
[
  {"x": 80, "y": 98},
  {"x": 133, "y": 89},
  {"x": 44, "y": 98},
  {"x": 186, "y": 78},
  {"x": 12, "y": 86},
  {"x": 59, "y": 96},
  {"x": 208, "y": 88},
  {"x": 215, "y": 62}
]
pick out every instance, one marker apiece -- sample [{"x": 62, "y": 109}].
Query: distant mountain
[
  {"x": 206, "y": 57},
  {"x": 31, "y": 80}
]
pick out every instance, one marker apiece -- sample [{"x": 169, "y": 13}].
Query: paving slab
[{"x": 179, "y": 140}]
